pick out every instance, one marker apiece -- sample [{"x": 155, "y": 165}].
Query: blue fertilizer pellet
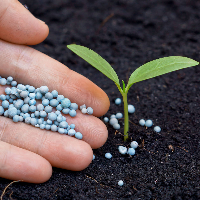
[
  {"x": 78, "y": 135},
  {"x": 66, "y": 111},
  {"x": 31, "y": 89},
  {"x": 14, "y": 83},
  {"x": 48, "y": 109},
  {"x": 72, "y": 126},
  {"x": 60, "y": 98},
  {"x": 65, "y": 103},
  {"x": 1, "y": 110},
  {"x": 54, "y": 102},
  {"x": 54, "y": 93},
  {"x": 32, "y": 95},
  {"x": 72, "y": 113},
  {"x": 74, "y": 106},
  {"x": 45, "y": 102},
  {"x": 38, "y": 95},
  {"x": 32, "y": 102},
  {"x": 61, "y": 130},
  {"x": 54, "y": 127},
  {"x": 16, "y": 118},
  {"x": 59, "y": 107},
  {"x": 49, "y": 96},
  {"x": 108, "y": 155},
  {"x": 5, "y": 104},
  {"x": 44, "y": 89}
]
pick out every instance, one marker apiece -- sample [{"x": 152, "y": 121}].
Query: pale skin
[{"x": 28, "y": 153}]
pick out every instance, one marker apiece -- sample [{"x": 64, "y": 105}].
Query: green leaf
[
  {"x": 95, "y": 60},
  {"x": 158, "y": 67}
]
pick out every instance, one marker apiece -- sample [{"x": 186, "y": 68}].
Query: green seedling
[{"x": 149, "y": 70}]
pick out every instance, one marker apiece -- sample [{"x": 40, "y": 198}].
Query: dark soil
[{"x": 129, "y": 33}]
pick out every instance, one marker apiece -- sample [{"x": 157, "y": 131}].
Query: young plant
[{"x": 149, "y": 70}]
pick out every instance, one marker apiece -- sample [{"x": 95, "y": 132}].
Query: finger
[
  {"x": 29, "y": 66},
  {"x": 19, "y": 26},
  {"x": 20, "y": 164},
  {"x": 61, "y": 151}
]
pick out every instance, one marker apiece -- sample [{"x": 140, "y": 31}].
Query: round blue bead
[
  {"x": 16, "y": 118},
  {"x": 52, "y": 116},
  {"x": 131, "y": 151},
  {"x": 131, "y": 109},
  {"x": 89, "y": 110},
  {"x": 119, "y": 115},
  {"x": 37, "y": 113},
  {"x": 54, "y": 127},
  {"x": 48, "y": 127},
  {"x": 33, "y": 121},
  {"x": 134, "y": 144},
  {"x": 32, "y": 102},
  {"x": 142, "y": 122},
  {"x": 66, "y": 111},
  {"x": 12, "y": 112},
  {"x": 42, "y": 126},
  {"x": 40, "y": 107},
  {"x": 61, "y": 130},
  {"x": 8, "y": 90},
  {"x": 65, "y": 103},
  {"x": 5, "y": 104},
  {"x": 54, "y": 102},
  {"x": 13, "y": 83},
  {"x": 43, "y": 114},
  {"x": 3, "y": 81},
  {"x": 25, "y": 108},
  {"x": 24, "y": 94},
  {"x": 21, "y": 87},
  {"x": 10, "y": 78},
  {"x": 105, "y": 119},
  {"x": 32, "y": 108},
  {"x": 26, "y": 115},
  {"x": 108, "y": 155},
  {"x": 72, "y": 126},
  {"x": 63, "y": 124},
  {"x": 74, "y": 106},
  {"x": 59, "y": 107},
  {"x": 118, "y": 101},
  {"x": 38, "y": 95},
  {"x": 44, "y": 89},
  {"x": 49, "y": 121},
  {"x": 6, "y": 113},
  {"x": 120, "y": 183},
  {"x": 72, "y": 113},
  {"x": 49, "y": 96},
  {"x": 32, "y": 95},
  {"x": 78, "y": 135},
  {"x": 148, "y": 123},
  {"x": 60, "y": 98},
  {"x": 31, "y": 89},
  {"x": 3, "y": 97},
  {"x": 28, "y": 120},
  {"x": 48, "y": 109},
  {"x": 157, "y": 129},
  {"x": 59, "y": 118},
  {"x": 45, "y": 102},
  {"x": 40, "y": 121},
  {"x": 71, "y": 132},
  {"x": 1, "y": 110},
  {"x": 58, "y": 112},
  {"x": 54, "y": 93}
]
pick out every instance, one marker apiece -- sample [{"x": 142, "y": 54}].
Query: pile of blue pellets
[{"x": 20, "y": 103}]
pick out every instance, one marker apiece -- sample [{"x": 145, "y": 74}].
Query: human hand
[{"x": 28, "y": 153}]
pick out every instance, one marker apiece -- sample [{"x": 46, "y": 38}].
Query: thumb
[{"x": 19, "y": 26}]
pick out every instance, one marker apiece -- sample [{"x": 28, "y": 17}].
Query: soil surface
[{"x": 129, "y": 33}]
